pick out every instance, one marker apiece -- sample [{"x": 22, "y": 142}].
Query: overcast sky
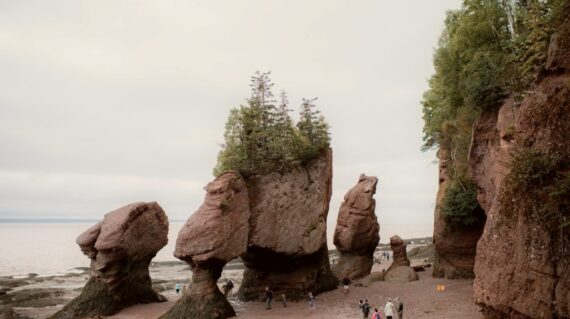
[{"x": 103, "y": 103}]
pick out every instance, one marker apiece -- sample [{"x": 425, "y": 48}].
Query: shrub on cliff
[
  {"x": 543, "y": 180},
  {"x": 460, "y": 205},
  {"x": 260, "y": 137}
]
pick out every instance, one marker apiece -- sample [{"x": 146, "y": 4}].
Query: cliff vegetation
[
  {"x": 260, "y": 136},
  {"x": 489, "y": 50}
]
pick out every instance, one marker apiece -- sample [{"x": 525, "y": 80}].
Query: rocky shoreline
[{"x": 37, "y": 297}]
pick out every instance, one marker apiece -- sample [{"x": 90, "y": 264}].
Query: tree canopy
[{"x": 260, "y": 136}]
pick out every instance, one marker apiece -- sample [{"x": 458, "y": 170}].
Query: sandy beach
[{"x": 421, "y": 300}]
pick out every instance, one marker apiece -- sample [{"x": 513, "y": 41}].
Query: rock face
[
  {"x": 287, "y": 247},
  {"x": 522, "y": 266},
  {"x": 212, "y": 236},
  {"x": 455, "y": 247},
  {"x": 121, "y": 248},
  {"x": 356, "y": 235},
  {"x": 400, "y": 270}
]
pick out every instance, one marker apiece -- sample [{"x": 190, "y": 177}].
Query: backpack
[{"x": 378, "y": 316}]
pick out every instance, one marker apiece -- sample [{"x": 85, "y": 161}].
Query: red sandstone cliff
[{"x": 522, "y": 266}]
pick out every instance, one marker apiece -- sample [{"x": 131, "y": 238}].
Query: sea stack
[
  {"x": 356, "y": 234},
  {"x": 121, "y": 248},
  {"x": 212, "y": 236},
  {"x": 400, "y": 270},
  {"x": 287, "y": 247}
]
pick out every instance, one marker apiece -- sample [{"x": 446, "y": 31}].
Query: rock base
[
  {"x": 96, "y": 299},
  {"x": 285, "y": 275},
  {"x": 401, "y": 274},
  {"x": 214, "y": 306},
  {"x": 203, "y": 300}
]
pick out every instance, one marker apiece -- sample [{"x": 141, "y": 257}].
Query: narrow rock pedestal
[
  {"x": 212, "y": 236},
  {"x": 356, "y": 234},
  {"x": 203, "y": 300},
  {"x": 400, "y": 270}
]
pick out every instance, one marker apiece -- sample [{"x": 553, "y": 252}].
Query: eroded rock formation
[
  {"x": 522, "y": 267},
  {"x": 212, "y": 236},
  {"x": 356, "y": 234},
  {"x": 400, "y": 256},
  {"x": 287, "y": 247},
  {"x": 121, "y": 248},
  {"x": 455, "y": 246},
  {"x": 400, "y": 270}
]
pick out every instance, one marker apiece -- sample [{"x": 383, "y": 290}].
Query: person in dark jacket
[
  {"x": 365, "y": 309},
  {"x": 268, "y": 297},
  {"x": 345, "y": 284},
  {"x": 399, "y": 308}
]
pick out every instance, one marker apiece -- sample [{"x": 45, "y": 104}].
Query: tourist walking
[
  {"x": 399, "y": 307},
  {"x": 376, "y": 314},
  {"x": 268, "y": 297},
  {"x": 284, "y": 300},
  {"x": 365, "y": 309},
  {"x": 345, "y": 284},
  {"x": 389, "y": 309},
  {"x": 311, "y": 301},
  {"x": 177, "y": 288}
]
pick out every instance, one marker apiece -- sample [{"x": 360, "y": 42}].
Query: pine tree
[
  {"x": 307, "y": 119},
  {"x": 260, "y": 136},
  {"x": 262, "y": 104},
  {"x": 283, "y": 137},
  {"x": 313, "y": 131},
  {"x": 233, "y": 154}
]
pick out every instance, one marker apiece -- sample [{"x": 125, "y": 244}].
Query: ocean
[{"x": 47, "y": 247}]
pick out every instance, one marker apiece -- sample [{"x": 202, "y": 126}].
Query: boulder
[
  {"x": 212, "y": 236},
  {"x": 287, "y": 248},
  {"x": 357, "y": 231},
  {"x": 401, "y": 274},
  {"x": 120, "y": 248}
]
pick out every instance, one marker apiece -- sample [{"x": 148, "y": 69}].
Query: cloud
[{"x": 108, "y": 102}]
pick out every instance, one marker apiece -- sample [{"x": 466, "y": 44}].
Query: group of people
[{"x": 390, "y": 309}]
